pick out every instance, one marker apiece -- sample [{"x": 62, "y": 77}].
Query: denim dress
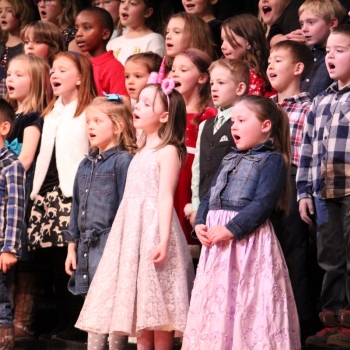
[{"x": 98, "y": 191}]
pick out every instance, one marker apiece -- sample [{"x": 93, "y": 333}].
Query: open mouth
[
  {"x": 236, "y": 137},
  {"x": 272, "y": 75},
  {"x": 3, "y": 23},
  {"x": 266, "y": 9},
  {"x": 124, "y": 16},
  {"x": 56, "y": 84},
  {"x": 136, "y": 116},
  {"x": 190, "y": 6},
  {"x": 10, "y": 88},
  {"x": 131, "y": 89},
  {"x": 331, "y": 65},
  {"x": 42, "y": 13},
  {"x": 177, "y": 84},
  {"x": 168, "y": 45},
  {"x": 92, "y": 135}
]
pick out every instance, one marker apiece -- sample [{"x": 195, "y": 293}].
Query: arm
[
  {"x": 122, "y": 171},
  {"x": 31, "y": 137},
  {"x": 169, "y": 164}
]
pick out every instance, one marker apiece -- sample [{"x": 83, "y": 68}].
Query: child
[
  {"x": 141, "y": 20},
  {"x": 15, "y": 14},
  {"x": 323, "y": 176},
  {"x": 42, "y": 39},
  {"x": 317, "y": 18},
  {"x": 185, "y": 31},
  {"x": 243, "y": 38},
  {"x": 62, "y": 13},
  {"x": 112, "y": 6},
  {"x": 94, "y": 28},
  {"x": 242, "y": 296},
  {"x": 205, "y": 10},
  {"x": 190, "y": 74},
  {"x": 138, "y": 67},
  {"x": 147, "y": 296},
  {"x": 64, "y": 144},
  {"x": 12, "y": 184},
  {"x": 229, "y": 80},
  {"x": 289, "y": 61}
]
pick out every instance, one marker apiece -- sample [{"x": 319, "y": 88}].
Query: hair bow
[{"x": 113, "y": 97}]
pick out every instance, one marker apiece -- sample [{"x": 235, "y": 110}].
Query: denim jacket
[
  {"x": 98, "y": 190},
  {"x": 249, "y": 182}
]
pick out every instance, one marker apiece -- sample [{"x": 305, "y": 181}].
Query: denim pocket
[{"x": 103, "y": 184}]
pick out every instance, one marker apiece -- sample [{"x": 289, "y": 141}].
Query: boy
[
  {"x": 12, "y": 184},
  {"x": 324, "y": 176},
  {"x": 229, "y": 80},
  {"x": 317, "y": 18},
  {"x": 95, "y": 27},
  {"x": 288, "y": 62}
]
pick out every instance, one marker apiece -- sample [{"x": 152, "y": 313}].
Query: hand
[
  {"x": 7, "y": 260},
  {"x": 201, "y": 232},
  {"x": 219, "y": 233},
  {"x": 160, "y": 253},
  {"x": 296, "y": 35},
  {"x": 306, "y": 208},
  {"x": 192, "y": 217},
  {"x": 71, "y": 262}
]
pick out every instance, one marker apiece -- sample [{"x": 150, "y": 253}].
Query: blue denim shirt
[
  {"x": 249, "y": 182},
  {"x": 98, "y": 190}
]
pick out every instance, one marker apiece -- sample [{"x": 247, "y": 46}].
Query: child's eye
[
  {"x": 127, "y": 76},
  {"x": 87, "y": 28},
  {"x": 138, "y": 76}
]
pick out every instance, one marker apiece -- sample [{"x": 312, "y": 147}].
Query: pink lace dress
[{"x": 129, "y": 292}]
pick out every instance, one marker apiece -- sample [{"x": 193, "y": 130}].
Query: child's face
[
  {"x": 231, "y": 52},
  {"x": 50, "y": 12},
  {"x": 149, "y": 110},
  {"x": 223, "y": 88},
  {"x": 200, "y": 8},
  {"x": 281, "y": 69},
  {"x": 8, "y": 22},
  {"x": 18, "y": 80},
  {"x": 112, "y": 6},
  {"x": 100, "y": 128},
  {"x": 187, "y": 77},
  {"x": 90, "y": 35},
  {"x": 136, "y": 76},
  {"x": 35, "y": 47},
  {"x": 338, "y": 58},
  {"x": 133, "y": 13},
  {"x": 247, "y": 130},
  {"x": 65, "y": 78},
  {"x": 176, "y": 41},
  {"x": 314, "y": 28},
  {"x": 271, "y": 10}
]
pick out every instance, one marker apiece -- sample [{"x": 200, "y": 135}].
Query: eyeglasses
[
  {"x": 105, "y": 3},
  {"x": 46, "y": 2}
]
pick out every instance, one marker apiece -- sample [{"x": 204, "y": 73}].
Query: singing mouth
[{"x": 266, "y": 9}]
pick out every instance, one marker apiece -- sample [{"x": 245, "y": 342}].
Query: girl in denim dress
[{"x": 242, "y": 297}]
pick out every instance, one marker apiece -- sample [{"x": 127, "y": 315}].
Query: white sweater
[{"x": 69, "y": 135}]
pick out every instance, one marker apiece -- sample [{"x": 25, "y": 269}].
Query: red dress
[
  {"x": 257, "y": 85},
  {"x": 183, "y": 193}
]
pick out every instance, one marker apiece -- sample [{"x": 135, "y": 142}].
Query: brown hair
[
  {"x": 249, "y": 27},
  {"x": 266, "y": 109},
  {"x": 149, "y": 59},
  {"x": 299, "y": 53},
  {"x": 343, "y": 29},
  {"x": 120, "y": 115},
  {"x": 87, "y": 88},
  {"x": 47, "y": 33},
  {"x": 239, "y": 70},
  {"x": 325, "y": 9},
  {"x": 70, "y": 11},
  {"x": 197, "y": 33},
  {"x": 40, "y": 88},
  {"x": 24, "y": 11}
]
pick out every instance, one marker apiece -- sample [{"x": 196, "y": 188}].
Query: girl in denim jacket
[{"x": 242, "y": 297}]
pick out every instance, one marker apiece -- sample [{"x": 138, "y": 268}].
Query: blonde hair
[
  {"x": 121, "y": 116},
  {"x": 87, "y": 88},
  {"x": 326, "y": 9},
  {"x": 40, "y": 89}
]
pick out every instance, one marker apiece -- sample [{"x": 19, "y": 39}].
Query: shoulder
[{"x": 167, "y": 154}]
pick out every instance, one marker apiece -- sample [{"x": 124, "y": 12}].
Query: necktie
[{"x": 218, "y": 122}]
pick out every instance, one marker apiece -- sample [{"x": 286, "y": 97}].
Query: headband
[{"x": 113, "y": 97}]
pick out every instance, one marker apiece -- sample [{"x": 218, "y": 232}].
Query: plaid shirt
[
  {"x": 12, "y": 185},
  {"x": 324, "y": 168},
  {"x": 296, "y": 107}
]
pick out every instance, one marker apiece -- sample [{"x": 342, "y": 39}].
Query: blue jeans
[
  {"x": 6, "y": 280},
  {"x": 333, "y": 251}
]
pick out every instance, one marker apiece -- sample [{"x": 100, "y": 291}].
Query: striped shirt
[
  {"x": 296, "y": 107},
  {"x": 324, "y": 168},
  {"x": 12, "y": 202}
]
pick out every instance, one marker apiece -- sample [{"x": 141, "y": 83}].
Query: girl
[
  {"x": 62, "y": 13},
  {"x": 185, "y": 30},
  {"x": 42, "y": 39},
  {"x": 190, "y": 74},
  {"x": 141, "y": 20},
  {"x": 243, "y": 38},
  {"x": 14, "y": 15},
  {"x": 64, "y": 144},
  {"x": 138, "y": 68},
  {"x": 147, "y": 296},
  {"x": 242, "y": 297}
]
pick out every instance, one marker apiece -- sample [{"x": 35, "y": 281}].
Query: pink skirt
[{"x": 242, "y": 297}]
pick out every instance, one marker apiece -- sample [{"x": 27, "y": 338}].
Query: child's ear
[
  {"x": 148, "y": 12},
  {"x": 78, "y": 82},
  {"x": 106, "y": 34},
  {"x": 203, "y": 78},
  {"x": 266, "y": 126},
  {"x": 118, "y": 129},
  {"x": 213, "y": 2},
  {"x": 241, "y": 89},
  {"x": 333, "y": 23},
  {"x": 164, "y": 117},
  {"x": 5, "y": 128},
  {"x": 299, "y": 68}
]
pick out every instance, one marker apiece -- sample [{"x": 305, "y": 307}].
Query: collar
[
  {"x": 298, "y": 98},
  {"x": 226, "y": 113},
  {"x": 266, "y": 146},
  {"x": 94, "y": 155},
  {"x": 333, "y": 88}
]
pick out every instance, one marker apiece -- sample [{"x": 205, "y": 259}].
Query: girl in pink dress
[
  {"x": 190, "y": 73},
  {"x": 242, "y": 296}
]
